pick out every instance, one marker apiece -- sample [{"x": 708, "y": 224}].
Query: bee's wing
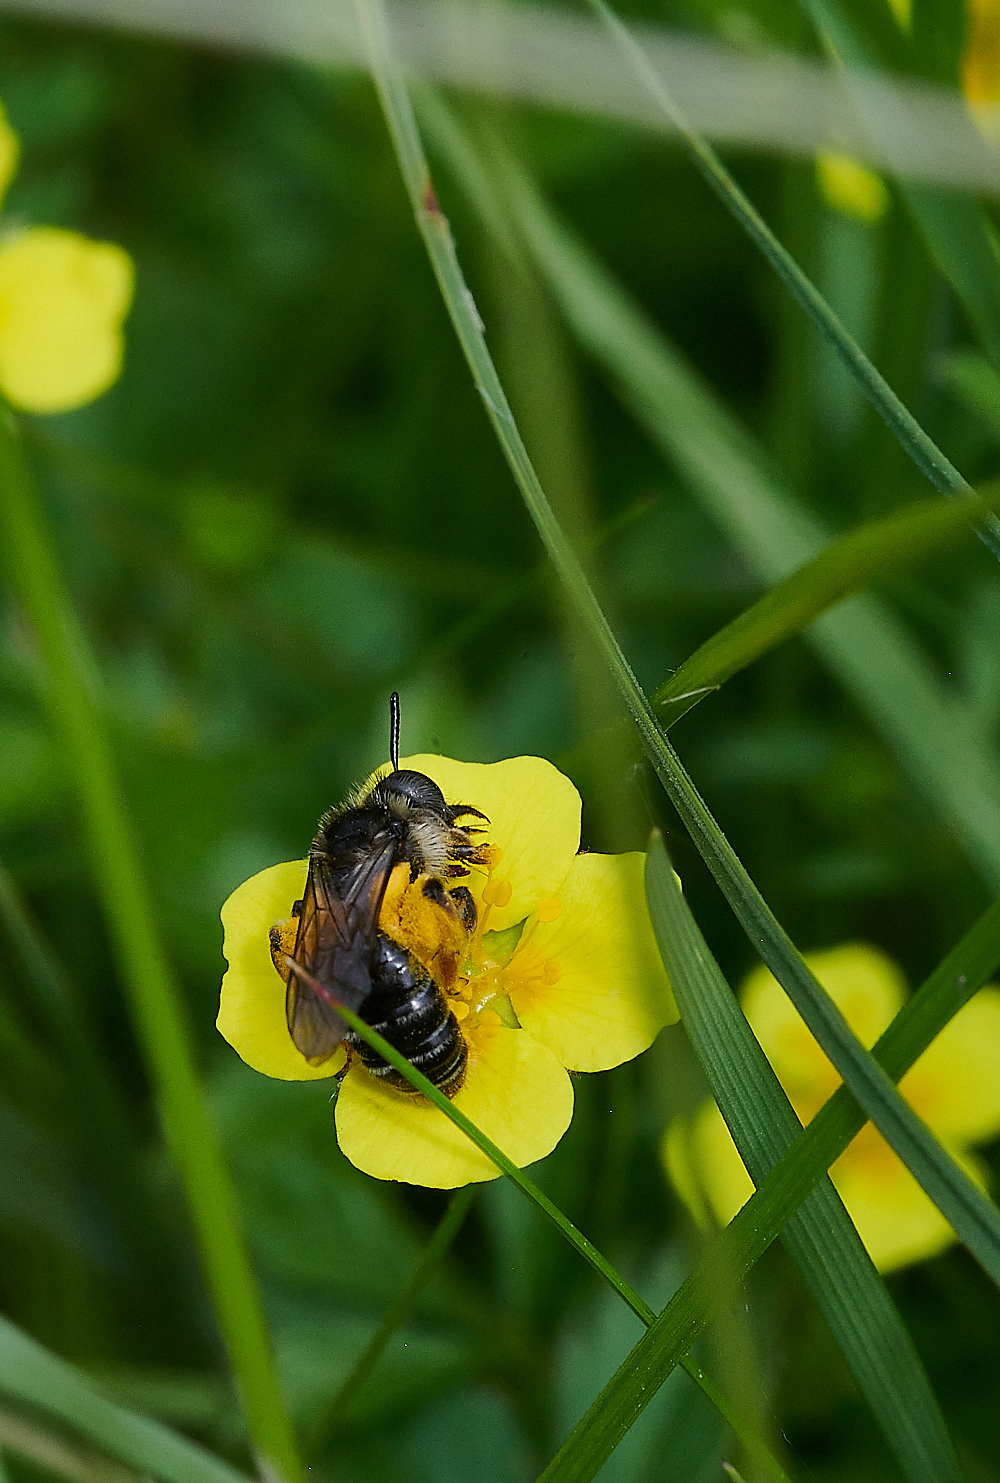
[{"x": 333, "y": 945}]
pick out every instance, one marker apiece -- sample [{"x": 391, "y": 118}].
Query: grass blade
[
  {"x": 820, "y": 1237},
  {"x": 153, "y": 996},
  {"x": 957, "y": 230},
  {"x": 29, "y": 1373},
  {"x": 911, "y": 436},
  {"x": 752, "y": 1230},
  {"x": 862, "y": 641},
  {"x": 855, "y": 561}
]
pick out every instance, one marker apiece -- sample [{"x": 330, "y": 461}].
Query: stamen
[
  {"x": 459, "y": 1008},
  {"x": 548, "y": 909},
  {"x": 497, "y": 893},
  {"x": 551, "y": 972}
]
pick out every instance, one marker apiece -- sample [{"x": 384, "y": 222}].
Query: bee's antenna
[{"x": 394, "y": 730}]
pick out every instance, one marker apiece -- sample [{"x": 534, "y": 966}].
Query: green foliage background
[{"x": 293, "y": 503}]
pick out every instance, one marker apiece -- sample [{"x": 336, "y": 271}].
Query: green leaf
[{"x": 31, "y": 1374}]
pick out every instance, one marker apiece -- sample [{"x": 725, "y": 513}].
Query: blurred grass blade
[
  {"x": 397, "y": 1313},
  {"x": 780, "y": 1194},
  {"x": 971, "y": 378},
  {"x": 54, "y": 1454},
  {"x": 956, "y": 229},
  {"x": 974, "y": 1218},
  {"x": 911, "y": 436},
  {"x": 863, "y": 641},
  {"x": 857, "y": 560},
  {"x": 30, "y": 1374},
  {"x": 153, "y": 997}
]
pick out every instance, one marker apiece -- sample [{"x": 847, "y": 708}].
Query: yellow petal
[
  {"x": 62, "y": 302},
  {"x": 954, "y": 1085},
  {"x": 865, "y": 985},
  {"x": 10, "y": 153},
  {"x": 678, "y": 1153},
  {"x": 895, "y": 1219},
  {"x": 252, "y": 1007},
  {"x": 613, "y": 996},
  {"x": 534, "y": 814},
  {"x": 515, "y": 1091},
  {"x": 724, "y": 1179}
]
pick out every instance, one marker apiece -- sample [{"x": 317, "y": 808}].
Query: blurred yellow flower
[
  {"x": 981, "y": 58},
  {"x": 851, "y": 188},
  {"x": 561, "y": 974},
  {"x": 954, "y": 1086},
  {"x": 62, "y": 302}
]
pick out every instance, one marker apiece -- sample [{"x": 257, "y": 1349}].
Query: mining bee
[{"x": 381, "y": 928}]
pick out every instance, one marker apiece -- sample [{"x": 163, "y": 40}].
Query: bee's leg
[
  {"x": 462, "y": 897},
  {"x": 338, "y": 1078}
]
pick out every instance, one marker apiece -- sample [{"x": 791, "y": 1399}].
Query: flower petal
[
  {"x": 534, "y": 813},
  {"x": 10, "y": 153},
  {"x": 954, "y": 1085},
  {"x": 613, "y": 995},
  {"x": 895, "y": 1219},
  {"x": 515, "y": 1091},
  {"x": 62, "y": 301},
  {"x": 716, "y": 1157},
  {"x": 866, "y": 986},
  {"x": 252, "y": 1007}
]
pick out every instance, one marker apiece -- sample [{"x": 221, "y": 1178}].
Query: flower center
[{"x": 502, "y": 966}]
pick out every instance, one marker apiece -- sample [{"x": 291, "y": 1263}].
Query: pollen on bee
[{"x": 491, "y": 856}]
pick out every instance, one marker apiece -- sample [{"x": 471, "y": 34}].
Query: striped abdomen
[{"x": 409, "y": 1010}]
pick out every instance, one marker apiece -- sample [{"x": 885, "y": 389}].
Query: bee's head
[{"x": 413, "y": 790}]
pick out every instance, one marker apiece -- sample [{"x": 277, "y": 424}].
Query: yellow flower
[
  {"x": 62, "y": 302},
  {"x": 562, "y": 974},
  {"x": 953, "y": 1086}
]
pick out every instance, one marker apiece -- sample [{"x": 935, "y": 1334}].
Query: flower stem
[{"x": 152, "y": 994}]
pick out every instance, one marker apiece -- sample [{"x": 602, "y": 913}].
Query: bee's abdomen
[{"x": 409, "y": 1010}]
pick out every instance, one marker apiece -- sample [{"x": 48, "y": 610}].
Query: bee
[{"x": 380, "y": 869}]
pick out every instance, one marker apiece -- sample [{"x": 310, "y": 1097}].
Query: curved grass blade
[
  {"x": 152, "y": 995},
  {"x": 29, "y": 1373},
  {"x": 911, "y": 436}
]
